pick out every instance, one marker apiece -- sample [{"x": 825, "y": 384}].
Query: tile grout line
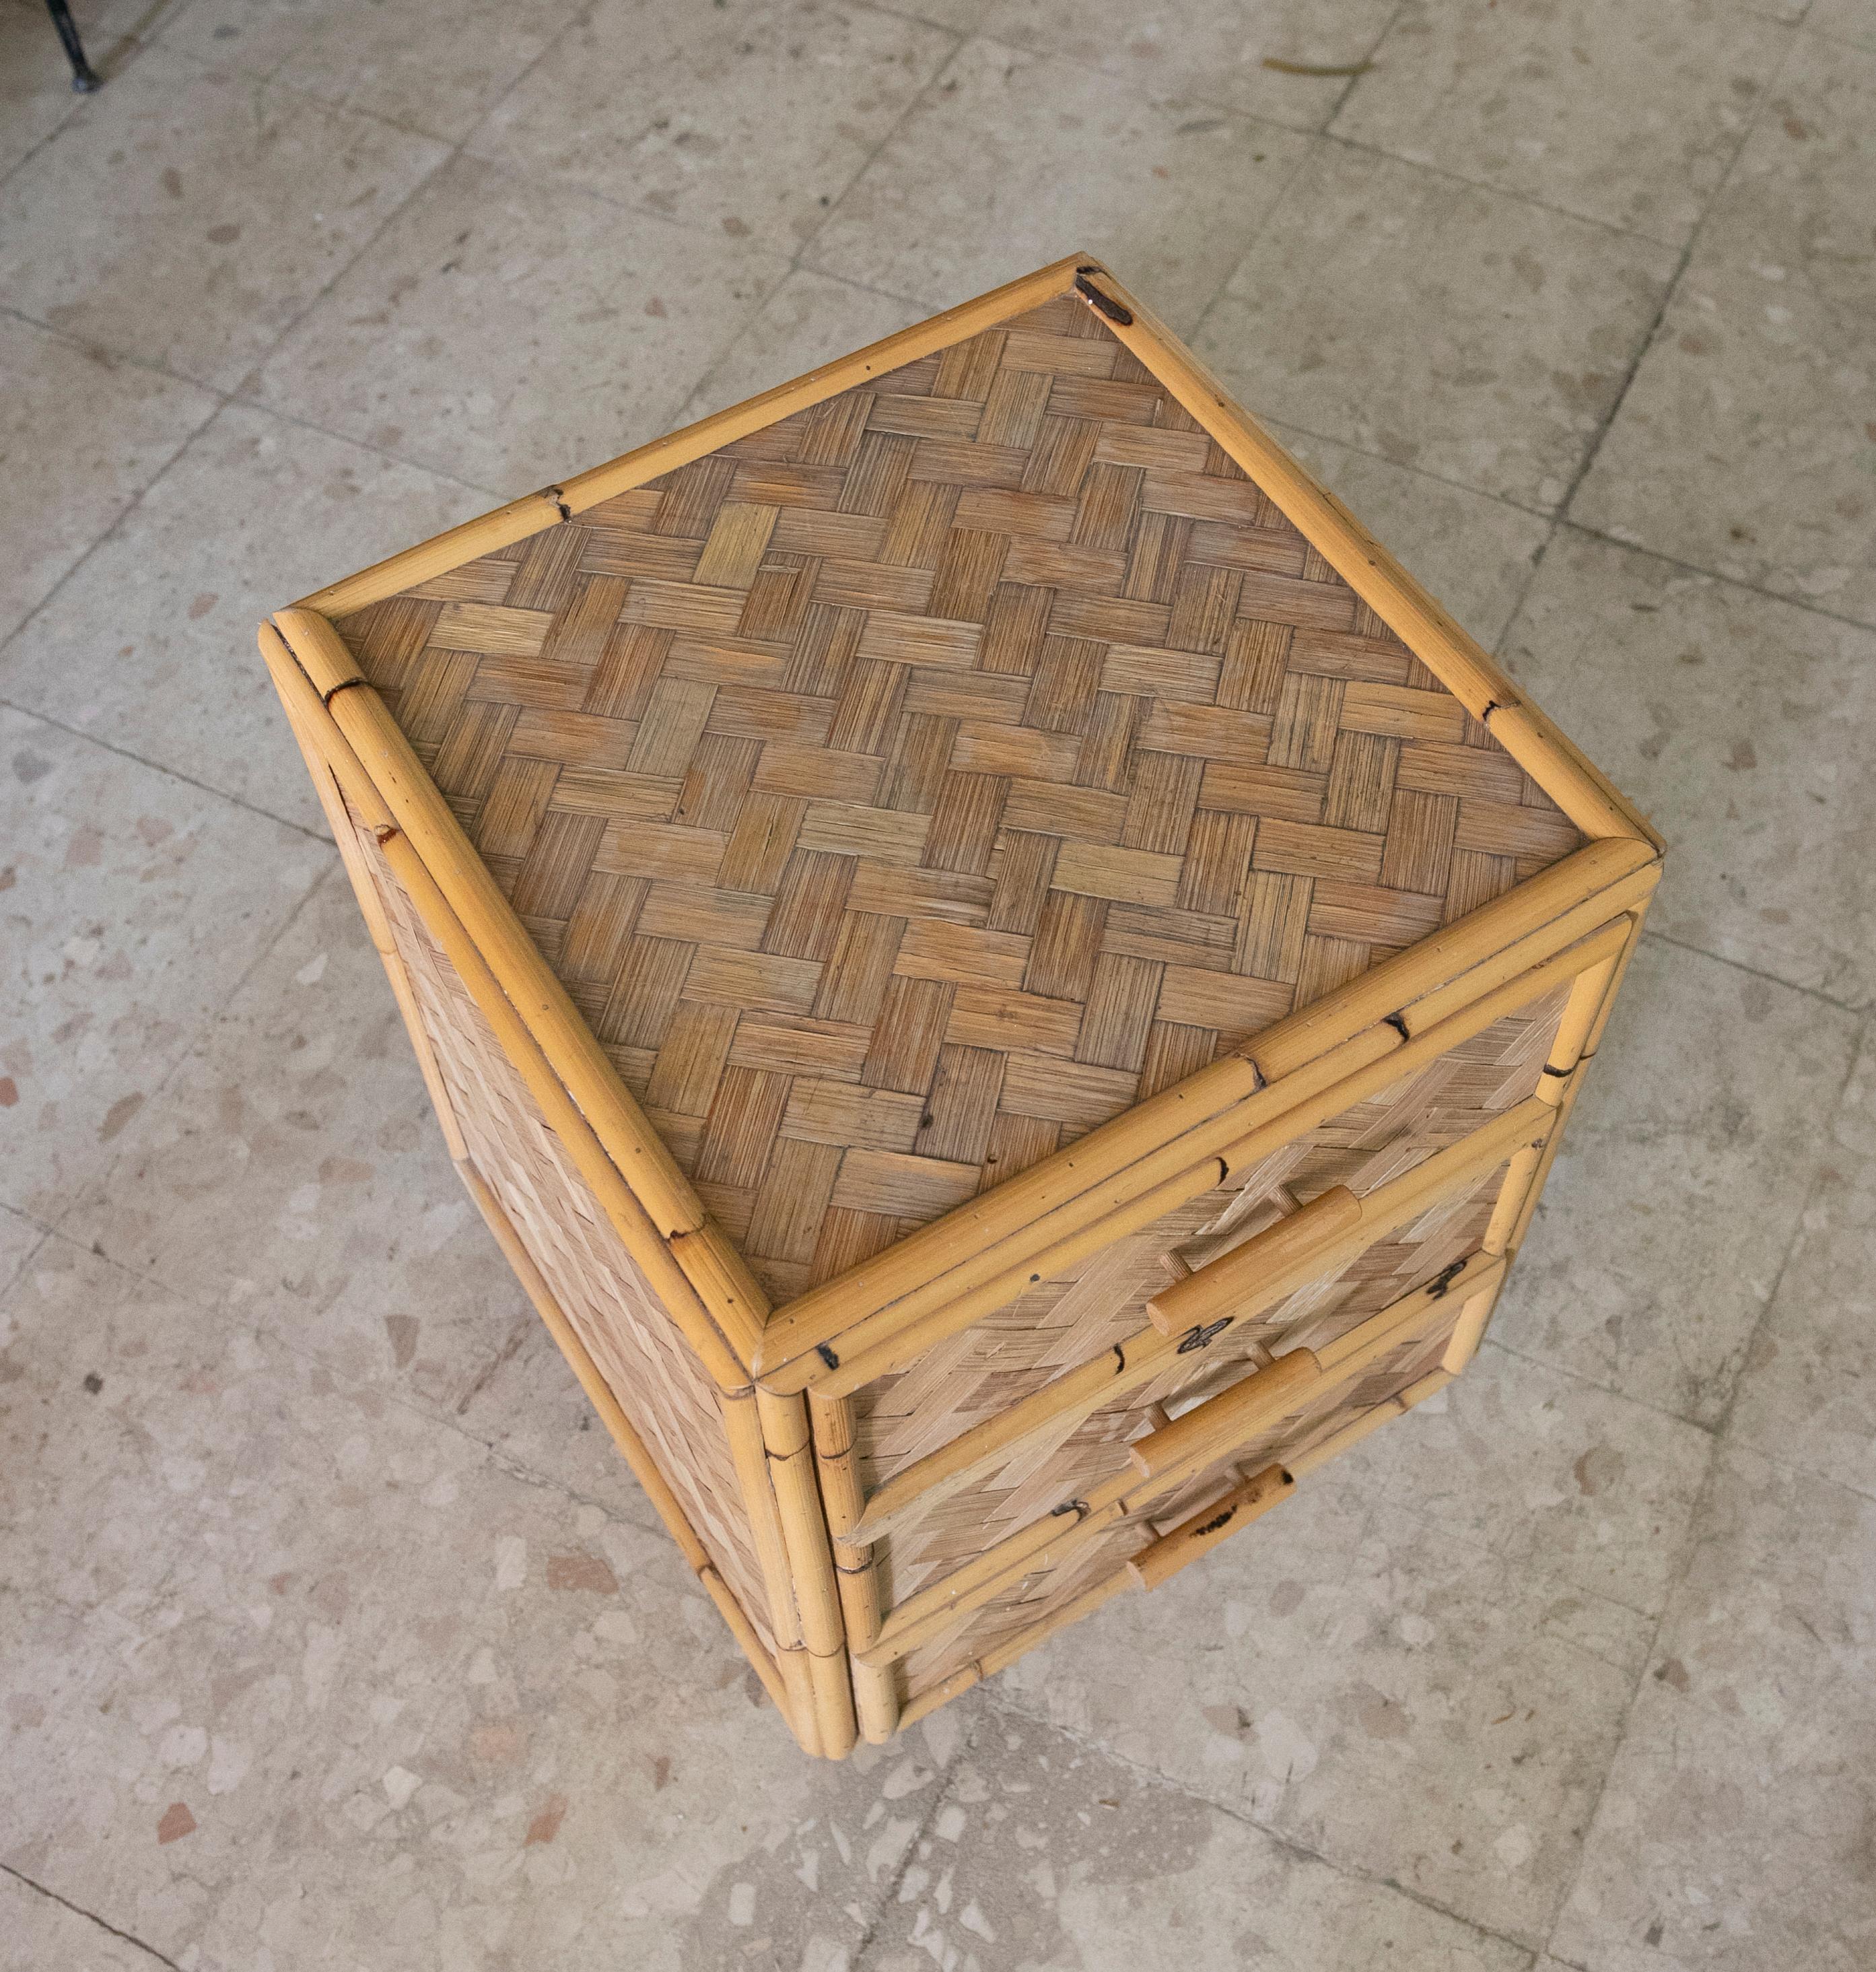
[
  {"x": 1584, "y": 1381},
  {"x": 225, "y": 398},
  {"x": 1816, "y": 993},
  {"x": 1385, "y": 156},
  {"x": 242, "y": 1322},
  {"x": 1566, "y": 523},
  {"x": 186, "y": 1051},
  {"x": 1668, "y": 294},
  {"x": 1296, "y": 171},
  {"x": 1322, "y": 130},
  {"x": 78, "y": 732},
  {"x": 946, "y": 1774},
  {"x": 798, "y": 263},
  {"x": 91, "y": 1917},
  {"x": 1153, "y": 1777},
  {"x": 1561, "y": 1908},
  {"x": 1704, "y": 1495}
]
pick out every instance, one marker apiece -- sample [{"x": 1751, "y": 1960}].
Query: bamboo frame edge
[
  {"x": 1578, "y": 787},
  {"x": 553, "y": 505},
  {"x": 632, "y": 1448},
  {"x": 715, "y": 1269},
  {"x": 784, "y": 1361}
]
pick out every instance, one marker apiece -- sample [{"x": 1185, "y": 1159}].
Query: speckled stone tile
[
  {"x": 111, "y": 425},
  {"x": 1745, "y": 444},
  {"x": 387, "y": 1704},
  {"x": 38, "y": 1931},
  {"x": 525, "y": 1402},
  {"x": 1013, "y": 160},
  {"x": 1388, "y": 1691},
  {"x": 1464, "y": 331},
  {"x": 1473, "y": 554},
  {"x": 35, "y": 82},
  {"x": 1807, "y": 1396},
  {"x": 150, "y": 645},
  {"x": 435, "y": 69},
  {"x": 1044, "y": 1853},
  {"x": 1697, "y": 1140},
  {"x": 1196, "y": 49},
  {"x": 293, "y": 1175},
  {"x": 131, "y": 904},
  {"x": 93, "y": 1361},
  {"x": 1624, "y": 111},
  {"x": 750, "y": 116},
  {"x": 1741, "y": 724},
  {"x": 186, "y": 217},
  {"x": 1843, "y": 20},
  {"x": 18, "y": 1236},
  {"x": 810, "y": 319},
  {"x": 1733, "y": 1834},
  {"x": 101, "y": 21},
  {"x": 512, "y": 333},
  {"x": 1552, "y": 1476}
]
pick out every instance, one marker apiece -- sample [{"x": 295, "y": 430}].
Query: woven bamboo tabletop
[{"x": 920, "y": 780}]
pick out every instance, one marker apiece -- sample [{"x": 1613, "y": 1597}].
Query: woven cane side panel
[
  {"x": 669, "y": 1400},
  {"x": 983, "y": 1370},
  {"x": 1033, "y": 1597},
  {"x": 916, "y": 783}
]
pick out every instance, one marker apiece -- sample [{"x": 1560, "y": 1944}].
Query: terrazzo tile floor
[{"x": 332, "y": 1634}]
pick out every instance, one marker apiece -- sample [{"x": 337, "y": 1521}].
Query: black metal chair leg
[{"x": 85, "y": 78}]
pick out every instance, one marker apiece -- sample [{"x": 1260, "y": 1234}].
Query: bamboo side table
[{"x": 1006, "y": 980}]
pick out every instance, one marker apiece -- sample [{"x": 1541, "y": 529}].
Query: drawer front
[
  {"x": 1093, "y": 1551},
  {"x": 973, "y": 1383}
]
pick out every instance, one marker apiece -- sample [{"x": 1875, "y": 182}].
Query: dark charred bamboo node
[
  {"x": 968, "y": 921},
  {"x": 1105, "y": 303}
]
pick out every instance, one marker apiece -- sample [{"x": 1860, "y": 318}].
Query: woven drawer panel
[
  {"x": 1066, "y": 1463},
  {"x": 917, "y": 782},
  {"x": 999, "y": 1360},
  {"x": 1034, "y": 1597},
  {"x": 669, "y": 1400}
]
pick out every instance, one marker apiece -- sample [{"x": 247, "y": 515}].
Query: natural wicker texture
[
  {"x": 914, "y": 783},
  {"x": 663, "y": 1393},
  {"x": 1061, "y": 1323},
  {"x": 1033, "y": 1597},
  {"x": 886, "y": 784}
]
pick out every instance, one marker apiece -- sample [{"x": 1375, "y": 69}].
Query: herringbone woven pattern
[
  {"x": 658, "y": 1382},
  {"x": 1062, "y": 1323},
  {"x": 1036, "y": 1596},
  {"x": 916, "y": 783}
]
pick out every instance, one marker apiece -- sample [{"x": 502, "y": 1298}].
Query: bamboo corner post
[{"x": 1007, "y": 981}]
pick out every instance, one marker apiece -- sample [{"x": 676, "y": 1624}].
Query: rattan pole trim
[
  {"x": 1577, "y": 787},
  {"x": 553, "y": 505},
  {"x": 1250, "y": 1500},
  {"x": 1328, "y": 1084},
  {"x": 1002, "y": 1237},
  {"x": 624, "y": 1213},
  {"x": 1046, "y": 1543}
]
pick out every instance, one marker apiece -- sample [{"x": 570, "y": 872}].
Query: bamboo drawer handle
[
  {"x": 1244, "y": 1504},
  {"x": 1294, "y": 1243},
  {"x": 1249, "y": 1406}
]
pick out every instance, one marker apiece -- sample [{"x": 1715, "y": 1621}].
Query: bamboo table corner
[{"x": 1006, "y": 980}]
